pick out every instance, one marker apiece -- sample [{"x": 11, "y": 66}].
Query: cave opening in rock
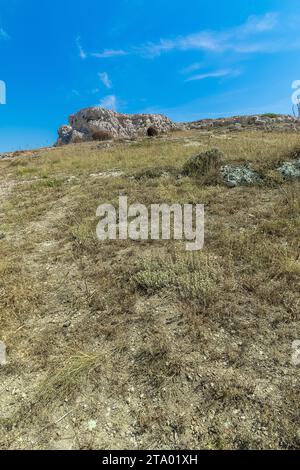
[{"x": 152, "y": 132}]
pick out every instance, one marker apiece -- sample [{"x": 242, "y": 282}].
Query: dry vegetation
[{"x": 139, "y": 344}]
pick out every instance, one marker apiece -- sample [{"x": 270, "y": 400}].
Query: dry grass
[{"x": 161, "y": 348}]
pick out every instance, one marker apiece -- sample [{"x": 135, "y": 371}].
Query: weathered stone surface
[
  {"x": 97, "y": 123},
  {"x": 290, "y": 170},
  {"x": 239, "y": 175},
  {"x": 236, "y": 123}
]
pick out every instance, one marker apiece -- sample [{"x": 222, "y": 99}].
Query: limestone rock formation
[
  {"x": 268, "y": 122},
  {"x": 97, "y": 123}
]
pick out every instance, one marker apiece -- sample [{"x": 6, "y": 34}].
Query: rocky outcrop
[
  {"x": 272, "y": 122},
  {"x": 97, "y": 123}
]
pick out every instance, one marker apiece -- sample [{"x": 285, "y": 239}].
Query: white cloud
[
  {"x": 259, "y": 24},
  {"x": 192, "y": 68},
  {"x": 81, "y": 51},
  {"x": 3, "y": 34},
  {"x": 105, "y": 79},
  {"x": 109, "y": 102},
  {"x": 238, "y": 39},
  {"x": 216, "y": 74},
  {"x": 108, "y": 53},
  {"x": 264, "y": 33}
]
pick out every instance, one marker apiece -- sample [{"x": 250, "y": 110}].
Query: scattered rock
[
  {"x": 239, "y": 175},
  {"x": 290, "y": 170},
  {"x": 97, "y": 123},
  {"x": 237, "y": 123},
  {"x": 3, "y": 356}
]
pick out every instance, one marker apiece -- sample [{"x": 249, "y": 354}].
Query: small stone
[
  {"x": 92, "y": 424},
  {"x": 3, "y": 355}
]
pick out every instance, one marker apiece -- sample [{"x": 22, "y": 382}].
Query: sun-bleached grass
[{"x": 162, "y": 348}]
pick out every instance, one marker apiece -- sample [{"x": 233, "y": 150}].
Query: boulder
[
  {"x": 97, "y": 123},
  {"x": 239, "y": 175},
  {"x": 290, "y": 170}
]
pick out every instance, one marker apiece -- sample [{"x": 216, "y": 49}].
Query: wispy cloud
[
  {"x": 192, "y": 68},
  {"x": 235, "y": 39},
  {"x": 215, "y": 74},
  {"x": 81, "y": 51},
  {"x": 3, "y": 34},
  {"x": 105, "y": 79},
  {"x": 259, "y": 33},
  {"x": 109, "y": 53},
  {"x": 259, "y": 24},
  {"x": 109, "y": 102}
]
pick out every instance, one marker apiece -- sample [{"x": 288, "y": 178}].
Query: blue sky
[{"x": 189, "y": 60}]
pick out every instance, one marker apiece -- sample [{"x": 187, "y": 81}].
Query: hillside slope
[{"x": 122, "y": 344}]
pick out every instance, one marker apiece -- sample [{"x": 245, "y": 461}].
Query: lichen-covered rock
[
  {"x": 239, "y": 175},
  {"x": 92, "y": 123},
  {"x": 290, "y": 170}
]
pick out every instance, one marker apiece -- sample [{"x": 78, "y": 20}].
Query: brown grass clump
[{"x": 102, "y": 135}]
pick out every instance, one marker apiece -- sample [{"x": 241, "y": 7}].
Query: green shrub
[{"x": 203, "y": 163}]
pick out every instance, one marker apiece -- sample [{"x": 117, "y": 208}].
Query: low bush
[{"x": 203, "y": 163}]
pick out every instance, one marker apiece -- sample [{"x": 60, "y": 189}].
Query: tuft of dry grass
[{"x": 192, "y": 277}]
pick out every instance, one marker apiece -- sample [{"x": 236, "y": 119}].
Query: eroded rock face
[{"x": 97, "y": 123}]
